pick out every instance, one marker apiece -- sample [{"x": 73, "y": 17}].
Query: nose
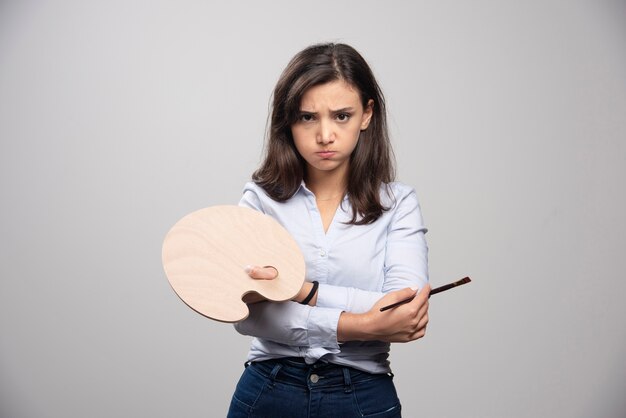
[{"x": 325, "y": 135}]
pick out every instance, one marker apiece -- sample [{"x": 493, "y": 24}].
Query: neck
[{"x": 327, "y": 185}]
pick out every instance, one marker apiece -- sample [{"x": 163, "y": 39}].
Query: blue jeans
[{"x": 290, "y": 388}]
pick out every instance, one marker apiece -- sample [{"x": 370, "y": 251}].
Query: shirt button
[
  {"x": 314, "y": 378},
  {"x": 322, "y": 253}
]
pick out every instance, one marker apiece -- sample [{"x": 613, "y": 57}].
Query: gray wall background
[{"x": 119, "y": 117}]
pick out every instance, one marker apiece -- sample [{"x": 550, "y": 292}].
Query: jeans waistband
[{"x": 294, "y": 371}]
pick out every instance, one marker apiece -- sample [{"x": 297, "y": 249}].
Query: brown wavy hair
[{"x": 371, "y": 163}]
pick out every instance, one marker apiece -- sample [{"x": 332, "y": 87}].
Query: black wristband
[{"x": 308, "y": 298}]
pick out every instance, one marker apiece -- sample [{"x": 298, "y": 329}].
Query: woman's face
[{"x": 331, "y": 118}]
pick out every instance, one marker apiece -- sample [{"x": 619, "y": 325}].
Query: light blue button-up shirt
[{"x": 354, "y": 264}]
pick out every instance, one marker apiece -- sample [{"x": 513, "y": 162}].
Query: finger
[
  {"x": 423, "y": 309},
  {"x": 426, "y": 290},
  {"x": 405, "y": 293},
  {"x": 422, "y": 322},
  {"x": 262, "y": 273},
  {"x": 418, "y": 334},
  {"x": 397, "y": 297},
  {"x": 422, "y": 296}
]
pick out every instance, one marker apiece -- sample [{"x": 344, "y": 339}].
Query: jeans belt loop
[
  {"x": 274, "y": 372},
  {"x": 346, "y": 380}
]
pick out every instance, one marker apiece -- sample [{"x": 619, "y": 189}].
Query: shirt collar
[{"x": 308, "y": 191}]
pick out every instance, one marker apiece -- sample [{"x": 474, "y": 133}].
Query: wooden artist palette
[{"x": 205, "y": 253}]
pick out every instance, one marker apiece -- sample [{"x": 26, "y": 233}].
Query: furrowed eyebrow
[
  {"x": 334, "y": 112},
  {"x": 343, "y": 110}
]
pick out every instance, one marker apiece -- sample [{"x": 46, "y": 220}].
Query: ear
[{"x": 368, "y": 112}]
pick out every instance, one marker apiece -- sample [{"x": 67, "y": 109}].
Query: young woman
[{"x": 327, "y": 177}]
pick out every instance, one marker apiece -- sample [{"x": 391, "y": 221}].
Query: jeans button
[{"x": 314, "y": 378}]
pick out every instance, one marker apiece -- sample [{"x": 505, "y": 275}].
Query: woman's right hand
[
  {"x": 261, "y": 273},
  {"x": 403, "y": 323},
  {"x": 270, "y": 273}
]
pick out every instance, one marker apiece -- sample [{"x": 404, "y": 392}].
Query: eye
[
  {"x": 306, "y": 117},
  {"x": 343, "y": 117}
]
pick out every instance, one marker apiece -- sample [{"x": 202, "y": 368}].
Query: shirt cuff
[
  {"x": 322, "y": 326},
  {"x": 332, "y": 297},
  {"x": 347, "y": 299}
]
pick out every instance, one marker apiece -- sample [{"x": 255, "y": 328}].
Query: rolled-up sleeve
[
  {"x": 293, "y": 324},
  {"x": 348, "y": 299}
]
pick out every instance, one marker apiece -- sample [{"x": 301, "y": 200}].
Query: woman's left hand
[{"x": 402, "y": 324}]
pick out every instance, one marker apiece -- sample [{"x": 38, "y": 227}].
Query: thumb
[
  {"x": 414, "y": 290},
  {"x": 262, "y": 273},
  {"x": 402, "y": 294}
]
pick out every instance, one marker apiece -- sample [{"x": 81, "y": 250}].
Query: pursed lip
[{"x": 325, "y": 154}]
